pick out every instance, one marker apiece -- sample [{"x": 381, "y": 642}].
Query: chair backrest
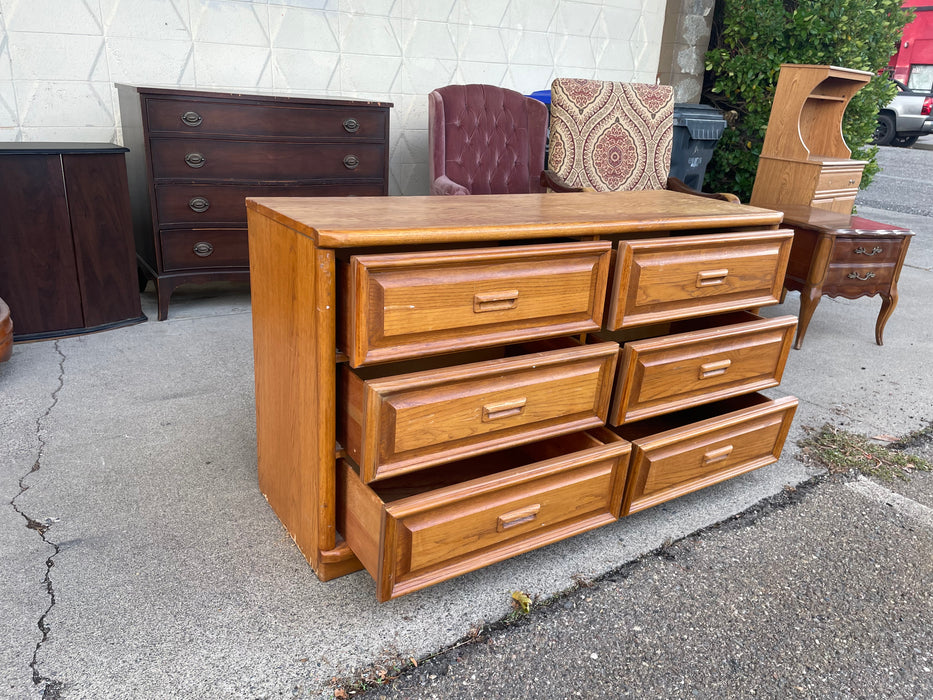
[
  {"x": 611, "y": 136},
  {"x": 488, "y": 139}
]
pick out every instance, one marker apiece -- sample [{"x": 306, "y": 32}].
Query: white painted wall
[{"x": 59, "y": 59}]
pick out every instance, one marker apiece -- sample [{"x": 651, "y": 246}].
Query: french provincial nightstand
[{"x": 837, "y": 255}]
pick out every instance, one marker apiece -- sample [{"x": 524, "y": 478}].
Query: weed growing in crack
[{"x": 842, "y": 452}]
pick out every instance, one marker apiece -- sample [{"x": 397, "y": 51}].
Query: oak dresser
[
  {"x": 445, "y": 382},
  {"x": 195, "y": 156}
]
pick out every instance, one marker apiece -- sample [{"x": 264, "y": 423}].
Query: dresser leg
[
  {"x": 809, "y": 299},
  {"x": 888, "y": 302}
]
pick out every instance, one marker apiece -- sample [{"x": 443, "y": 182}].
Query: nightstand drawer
[
  {"x": 414, "y": 532},
  {"x": 840, "y": 205},
  {"x": 414, "y": 304},
  {"x": 663, "y": 279},
  {"x": 397, "y": 423},
  {"x": 859, "y": 276},
  {"x": 211, "y": 118},
  {"x": 261, "y": 161},
  {"x": 704, "y": 446},
  {"x": 205, "y": 205},
  {"x": 836, "y": 180},
  {"x": 184, "y": 249},
  {"x": 863, "y": 251},
  {"x": 731, "y": 355}
]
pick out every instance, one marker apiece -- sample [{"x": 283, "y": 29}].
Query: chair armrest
[
  {"x": 553, "y": 181},
  {"x": 680, "y": 186},
  {"x": 444, "y": 185}
]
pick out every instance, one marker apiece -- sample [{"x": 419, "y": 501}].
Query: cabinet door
[{"x": 38, "y": 279}]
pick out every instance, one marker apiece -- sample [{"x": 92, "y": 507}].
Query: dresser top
[
  {"x": 274, "y": 96},
  {"x": 52, "y": 148},
  {"x": 344, "y": 222}
]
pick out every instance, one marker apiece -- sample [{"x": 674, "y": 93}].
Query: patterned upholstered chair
[
  {"x": 612, "y": 137},
  {"x": 485, "y": 140}
]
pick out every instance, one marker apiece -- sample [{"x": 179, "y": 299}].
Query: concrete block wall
[
  {"x": 683, "y": 47},
  {"x": 59, "y": 59}
]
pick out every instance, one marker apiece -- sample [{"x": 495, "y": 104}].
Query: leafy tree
[{"x": 750, "y": 41}]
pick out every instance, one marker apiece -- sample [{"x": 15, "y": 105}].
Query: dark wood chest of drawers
[
  {"x": 445, "y": 382},
  {"x": 195, "y": 156}
]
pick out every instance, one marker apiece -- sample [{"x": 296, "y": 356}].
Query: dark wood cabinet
[
  {"x": 195, "y": 156},
  {"x": 66, "y": 250}
]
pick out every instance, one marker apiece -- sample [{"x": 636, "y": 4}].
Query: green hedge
[{"x": 752, "y": 38}]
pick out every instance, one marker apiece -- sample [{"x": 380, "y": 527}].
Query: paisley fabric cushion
[{"x": 611, "y": 136}]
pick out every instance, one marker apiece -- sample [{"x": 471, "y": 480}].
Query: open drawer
[
  {"x": 403, "y": 305},
  {"x": 414, "y": 531},
  {"x": 663, "y": 279},
  {"x": 391, "y": 423},
  {"x": 683, "y": 452},
  {"x": 701, "y": 361}
]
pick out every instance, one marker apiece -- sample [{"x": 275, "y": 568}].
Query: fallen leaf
[{"x": 523, "y": 601}]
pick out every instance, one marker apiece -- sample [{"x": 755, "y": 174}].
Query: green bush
[{"x": 752, "y": 38}]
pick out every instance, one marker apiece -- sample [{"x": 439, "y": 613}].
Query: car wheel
[
  {"x": 884, "y": 131},
  {"x": 904, "y": 141}
]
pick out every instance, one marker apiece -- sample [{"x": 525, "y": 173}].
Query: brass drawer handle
[
  {"x": 861, "y": 250},
  {"x": 351, "y": 125},
  {"x": 517, "y": 517},
  {"x": 199, "y": 204},
  {"x": 202, "y": 249},
  {"x": 351, "y": 161},
  {"x": 717, "y": 455},
  {"x": 495, "y": 301},
  {"x": 714, "y": 369},
  {"x": 191, "y": 119},
  {"x": 195, "y": 160},
  {"x": 710, "y": 278},
  {"x": 857, "y": 276},
  {"x": 503, "y": 409}
]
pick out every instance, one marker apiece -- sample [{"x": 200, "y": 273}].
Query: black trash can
[{"x": 697, "y": 130}]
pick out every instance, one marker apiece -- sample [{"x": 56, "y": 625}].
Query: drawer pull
[
  {"x": 351, "y": 162},
  {"x": 195, "y": 160},
  {"x": 717, "y": 455},
  {"x": 202, "y": 249},
  {"x": 517, "y": 517},
  {"x": 495, "y": 301},
  {"x": 714, "y": 369},
  {"x": 711, "y": 278},
  {"x": 191, "y": 119},
  {"x": 857, "y": 276},
  {"x": 199, "y": 204},
  {"x": 861, "y": 250},
  {"x": 351, "y": 125},
  {"x": 503, "y": 409}
]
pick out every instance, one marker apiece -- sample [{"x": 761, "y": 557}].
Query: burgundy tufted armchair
[{"x": 485, "y": 140}]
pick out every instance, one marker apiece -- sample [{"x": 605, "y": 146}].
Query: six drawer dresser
[
  {"x": 446, "y": 382},
  {"x": 195, "y": 156}
]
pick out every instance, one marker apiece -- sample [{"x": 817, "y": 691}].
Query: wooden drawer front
[
  {"x": 193, "y": 117},
  {"x": 696, "y": 455},
  {"x": 406, "y": 305},
  {"x": 185, "y": 249},
  {"x": 840, "y": 205},
  {"x": 838, "y": 181},
  {"x": 256, "y": 161},
  {"x": 408, "y": 537},
  {"x": 403, "y": 423},
  {"x": 665, "y": 279},
  {"x": 674, "y": 372},
  {"x": 860, "y": 277},
  {"x": 205, "y": 205},
  {"x": 864, "y": 251}
]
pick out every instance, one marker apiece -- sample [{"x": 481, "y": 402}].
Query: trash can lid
[
  {"x": 702, "y": 121},
  {"x": 541, "y": 95}
]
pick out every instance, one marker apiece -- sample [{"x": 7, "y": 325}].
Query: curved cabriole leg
[
  {"x": 888, "y": 302},
  {"x": 809, "y": 299}
]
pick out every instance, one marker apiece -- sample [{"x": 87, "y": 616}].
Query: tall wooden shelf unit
[{"x": 804, "y": 159}]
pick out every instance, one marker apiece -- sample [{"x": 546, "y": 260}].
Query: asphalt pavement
[{"x": 138, "y": 558}]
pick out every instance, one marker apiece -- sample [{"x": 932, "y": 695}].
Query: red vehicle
[{"x": 913, "y": 62}]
